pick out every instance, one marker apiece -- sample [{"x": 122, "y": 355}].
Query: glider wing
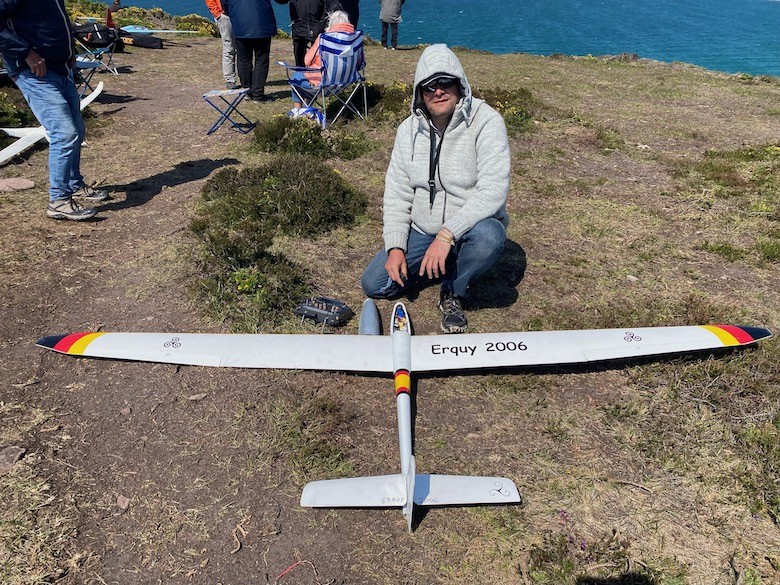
[
  {"x": 535, "y": 348},
  {"x": 349, "y": 353},
  {"x": 19, "y": 146}
]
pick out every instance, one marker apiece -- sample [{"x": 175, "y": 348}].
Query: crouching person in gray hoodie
[{"x": 445, "y": 191}]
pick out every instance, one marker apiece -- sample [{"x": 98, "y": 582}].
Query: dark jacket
[
  {"x": 309, "y": 17},
  {"x": 352, "y": 8},
  {"x": 42, "y": 25},
  {"x": 251, "y": 19}
]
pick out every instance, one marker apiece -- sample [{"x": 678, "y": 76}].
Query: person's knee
[{"x": 489, "y": 234}]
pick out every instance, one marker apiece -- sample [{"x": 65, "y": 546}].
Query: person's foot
[
  {"x": 69, "y": 209},
  {"x": 260, "y": 98},
  {"x": 232, "y": 86},
  {"x": 453, "y": 318},
  {"x": 89, "y": 193}
]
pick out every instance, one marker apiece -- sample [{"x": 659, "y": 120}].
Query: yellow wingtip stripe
[
  {"x": 726, "y": 338},
  {"x": 80, "y": 346}
]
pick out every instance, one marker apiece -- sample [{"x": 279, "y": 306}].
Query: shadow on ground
[
  {"x": 498, "y": 286},
  {"x": 144, "y": 190}
]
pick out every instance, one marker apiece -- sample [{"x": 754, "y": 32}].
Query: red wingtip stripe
[
  {"x": 64, "y": 344},
  {"x": 739, "y": 334}
]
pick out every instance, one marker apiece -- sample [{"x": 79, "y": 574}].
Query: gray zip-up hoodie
[{"x": 472, "y": 177}]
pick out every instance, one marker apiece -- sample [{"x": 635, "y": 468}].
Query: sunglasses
[{"x": 444, "y": 83}]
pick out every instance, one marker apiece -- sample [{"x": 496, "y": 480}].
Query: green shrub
[
  {"x": 304, "y": 137},
  {"x": 14, "y": 113},
  {"x": 299, "y": 136},
  {"x": 237, "y": 219},
  {"x": 514, "y": 105},
  {"x": 388, "y": 105}
]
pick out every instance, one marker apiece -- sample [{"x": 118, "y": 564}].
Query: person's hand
[
  {"x": 433, "y": 263},
  {"x": 36, "y": 63},
  {"x": 396, "y": 266}
]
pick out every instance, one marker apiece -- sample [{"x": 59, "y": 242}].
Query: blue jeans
[
  {"x": 471, "y": 256},
  {"x": 303, "y": 85},
  {"x": 55, "y": 102}
]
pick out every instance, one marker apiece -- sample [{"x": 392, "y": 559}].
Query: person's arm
[
  {"x": 397, "y": 204},
  {"x": 492, "y": 178},
  {"x": 11, "y": 44},
  {"x": 215, "y": 7}
]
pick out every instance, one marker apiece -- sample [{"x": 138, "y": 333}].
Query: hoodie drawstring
[{"x": 434, "y": 162}]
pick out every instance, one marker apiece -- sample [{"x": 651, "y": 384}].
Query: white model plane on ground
[
  {"x": 401, "y": 353},
  {"x": 30, "y": 136}
]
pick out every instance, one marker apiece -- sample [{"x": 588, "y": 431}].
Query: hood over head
[{"x": 439, "y": 60}]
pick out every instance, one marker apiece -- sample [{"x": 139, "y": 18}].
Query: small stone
[
  {"x": 15, "y": 184},
  {"x": 126, "y": 411},
  {"x": 197, "y": 396},
  {"x": 9, "y": 456},
  {"x": 122, "y": 502},
  {"x": 632, "y": 278}
]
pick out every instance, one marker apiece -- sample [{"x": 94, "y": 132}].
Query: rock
[
  {"x": 632, "y": 278},
  {"x": 197, "y": 396},
  {"x": 122, "y": 502},
  {"x": 9, "y": 456},
  {"x": 15, "y": 184},
  {"x": 126, "y": 411}
]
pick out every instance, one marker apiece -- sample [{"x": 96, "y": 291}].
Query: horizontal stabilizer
[
  {"x": 380, "y": 491},
  {"x": 453, "y": 490}
]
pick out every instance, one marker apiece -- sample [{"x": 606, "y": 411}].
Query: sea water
[{"x": 735, "y": 36}]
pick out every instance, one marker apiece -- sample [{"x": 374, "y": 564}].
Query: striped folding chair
[{"x": 343, "y": 76}]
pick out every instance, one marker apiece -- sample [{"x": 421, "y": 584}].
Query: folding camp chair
[
  {"x": 98, "y": 41},
  {"x": 226, "y": 102},
  {"x": 82, "y": 75},
  {"x": 343, "y": 66},
  {"x": 98, "y": 54}
]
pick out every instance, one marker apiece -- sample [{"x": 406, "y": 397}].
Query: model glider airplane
[
  {"x": 30, "y": 136},
  {"x": 401, "y": 353}
]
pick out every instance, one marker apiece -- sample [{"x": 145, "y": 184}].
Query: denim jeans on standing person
[
  {"x": 473, "y": 254},
  {"x": 55, "y": 102}
]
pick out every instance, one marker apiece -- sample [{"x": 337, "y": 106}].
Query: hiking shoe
[
  {"x": 453, "y": 318},
  {"x": 69, "y": 209},
  {"x": 89, "y": 193}
]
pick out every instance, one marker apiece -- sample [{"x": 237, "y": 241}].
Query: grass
[
  {"x": 666, "y": 471},
  {"x": 243, "y": 280}
]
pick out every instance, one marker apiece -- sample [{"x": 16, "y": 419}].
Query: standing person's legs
[
  {"x": 300, "y": 46},
  {"x": 244, "y": 56},
  {"x": 228, "y": 50},
  {"x": 262, "y": 52},
  {"x": 394, "y": 34},
  {"x": 54, "y": 101},
  {"x": 384, "y": 34},
  {"x": 46, "y": 98}
]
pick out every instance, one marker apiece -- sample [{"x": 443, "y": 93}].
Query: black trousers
[
  {"x": 253, "y": 56},
  {"x": 393, "y": 32},
  {"x": 300, "y": 46}
]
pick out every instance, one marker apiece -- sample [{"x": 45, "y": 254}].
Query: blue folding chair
[
  {"x": 82, "y": 75},
  {"x": 343, "y": 76},
  {"x": 226, "y": 102}
]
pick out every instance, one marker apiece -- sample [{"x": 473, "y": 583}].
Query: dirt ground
[{"x": 164, "y": 474}]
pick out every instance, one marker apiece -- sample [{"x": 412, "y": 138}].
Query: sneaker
[
  {"x": 91, "y": 194},
  {"x": 69, "y": 209},
  {"x": 453, "y": 318},
  {"x": 232, "y": 86}
]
